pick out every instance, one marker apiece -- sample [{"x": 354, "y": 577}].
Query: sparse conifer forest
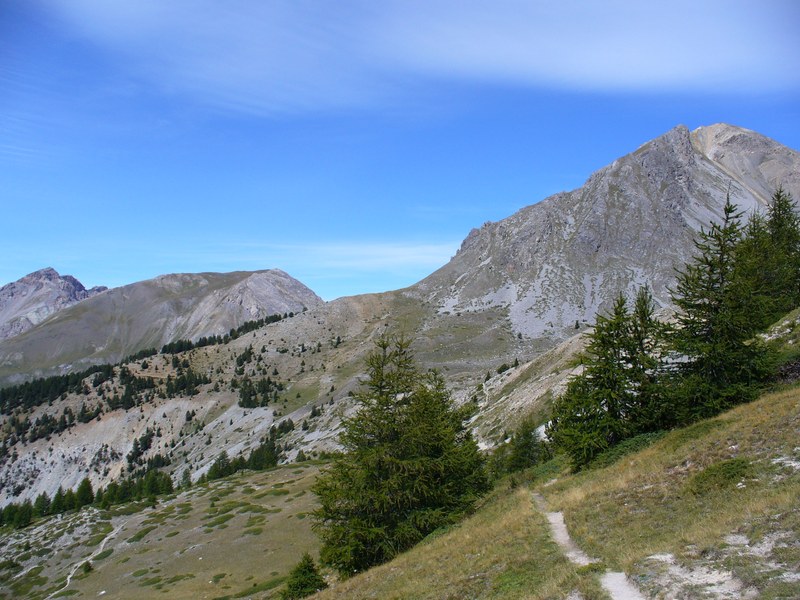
[{"x": 641, "y": 375}]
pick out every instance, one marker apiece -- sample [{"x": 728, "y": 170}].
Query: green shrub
[
  {"x": 720, "y": 476},
  {"x": 304, "y": 580},
  {"x": 629, "y": 446}
]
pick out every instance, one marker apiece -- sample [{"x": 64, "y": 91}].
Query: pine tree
[
  {"x": 647, "y": 408},
  {"x": 526, "y": 448},
  {"x": 784, "y": 230},
  {"x": 69, "y": 500},
  {"x": 409, "y": 465},
  {"x": 720, "y": 363},
  {"x": 84, "y": 496},
  {"x": 588, "y": 418},
  {"x": 41, "y": 506},
  {"x": 304, "y": 580},
  {"x": 220, "y": 468},
  {"x": 57, "y": 505},
  {"x": 24, "y": 515}
]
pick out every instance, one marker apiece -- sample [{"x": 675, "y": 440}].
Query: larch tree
[
  {"x": 409, "y": 465},
  {"x": 719, "y": 362},
  {"x": 617, "y": 395}
]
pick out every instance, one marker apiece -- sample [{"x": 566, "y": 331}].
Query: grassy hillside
[
  {"x": 232, "y": 538},
  {"x": 708, "y": 511}
]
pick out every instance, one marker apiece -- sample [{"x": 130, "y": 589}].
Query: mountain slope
[
  {"x": 673, "y": 516},
  {"x": 238, "y": 534},
  {"x": 676, "y": 516},
  {"x": 30, "y": 300},
  {"x": 558, "y": 262},
  {"x": 148, "y": 314}
]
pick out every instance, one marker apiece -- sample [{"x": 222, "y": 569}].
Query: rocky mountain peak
[
  {"x": 146, "y": 314},
  {"x": 31, "y": 299},
  {"x": 751, "y": 160},
  {"x": 556, "y": 263}
]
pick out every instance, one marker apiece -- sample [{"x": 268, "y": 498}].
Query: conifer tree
[
  {"x": 409, "y": 465},
  {"x": 768, "y": 260},
  {"x": 84, "y": 494},
  {"x": 784, "y": 231},
  {"x": 720, "y": 362},
  {"x": 618, "y": 394},
  {"x": 57, "y": 505},
  {"x": 41, "y": 506},
  {"x": 24, "y": 515},
  {"x": 646, "y": 348},
  {"x": 525, "y": 449},
  {"x": 588, "y": 417},
  {"x": 304, "y": 580}
]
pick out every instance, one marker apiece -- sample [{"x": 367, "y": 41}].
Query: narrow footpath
[
  {"x": 89, "y": 558},
  {"x": 615, "y": 583}
]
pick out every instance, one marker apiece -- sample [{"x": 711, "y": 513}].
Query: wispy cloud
[
  {"x": 345, "y": 268},
  {"x": 332, "y": 269},
  {"x": 287, "y": 55},
  {"x": 617, "y": 44}
]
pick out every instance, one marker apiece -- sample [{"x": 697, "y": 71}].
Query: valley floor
[{"x": 240, "y": 534}]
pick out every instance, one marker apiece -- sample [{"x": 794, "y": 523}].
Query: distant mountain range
[{"x": 104, "y": 327}]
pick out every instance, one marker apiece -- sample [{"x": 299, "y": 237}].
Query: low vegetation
[{"x": 180, "y": 548}]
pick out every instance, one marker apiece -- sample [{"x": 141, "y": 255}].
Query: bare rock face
[
  {"x": 557, "y": 263},
  {"x": 30, "y": 300}
]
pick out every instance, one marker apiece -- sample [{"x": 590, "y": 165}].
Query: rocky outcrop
[{"x": 30, "y": 300}]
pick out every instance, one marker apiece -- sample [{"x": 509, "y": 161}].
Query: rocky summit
[
  {"x": 553, "y": 265},
  {"x": 30, "y": 300}
]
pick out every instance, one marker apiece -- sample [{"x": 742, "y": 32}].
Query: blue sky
[{"x": 353, "y": 144}]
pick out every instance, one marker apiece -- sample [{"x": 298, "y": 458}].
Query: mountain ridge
[
  {"x": 150, "y": 313},
  {"x": 560, "y": 261}
]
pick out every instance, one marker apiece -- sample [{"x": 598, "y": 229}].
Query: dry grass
[
  {"x": 203, "y": 543},
  {"x": 677, "y": 496},
  {"x": 650, "y": 502},
  {"x": 503, "y": 551}
]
